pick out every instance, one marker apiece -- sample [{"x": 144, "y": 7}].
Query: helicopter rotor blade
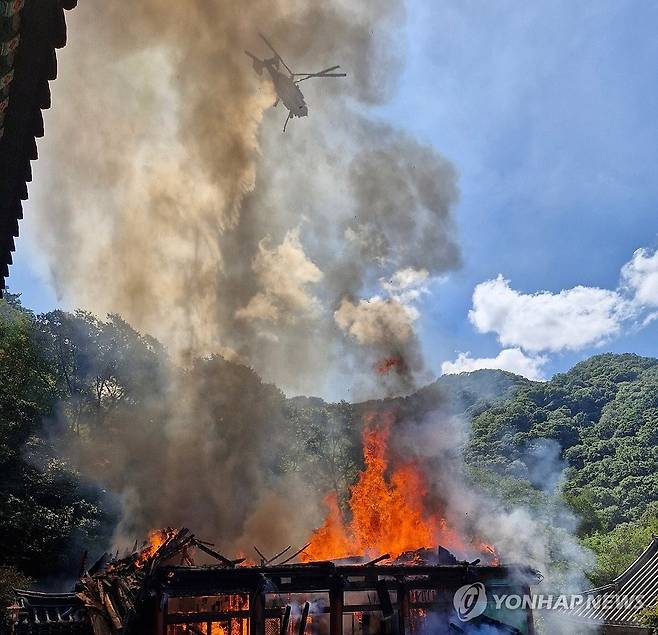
[
  {"x": 320, "y": 75},
  {"x": 326, "y": 70},
  {"x": 276, "y": 53}
]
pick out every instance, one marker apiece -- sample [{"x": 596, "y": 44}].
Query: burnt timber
[
  {"x": 165, "y": 593},
  {"x": 416, "y": 588},
  {"x": 337, "y": 581}
]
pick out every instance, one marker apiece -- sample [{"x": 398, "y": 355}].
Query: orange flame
[
  {"x": 156, "y": 538},
  {"x": 389, "y": 508},
  {"x": 247, "y": 562},
  {"x": 332, "y": 539},
  {"x": 388, "y": 364}
]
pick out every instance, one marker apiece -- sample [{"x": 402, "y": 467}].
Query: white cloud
[
  {"x": 640, "y": 276},
  {"x": 572, "y": 319},
  {"x": 513, "y": 360},
  {"x": 283, "y": 273},
  {"x": 569, "y": 320}
]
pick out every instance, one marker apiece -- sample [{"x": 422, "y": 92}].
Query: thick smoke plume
[
  {"x": 173, "y": 198},
  {"x": 177, "y": 201}
]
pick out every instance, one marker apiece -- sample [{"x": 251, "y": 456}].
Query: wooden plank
[
  {"x": 257, "y": 613},
  {"x": 303, "y": 619},
  {"x": 336, "y": 601},
  {"x": 403, "y": 608},
  {"x": 285, "y": 621}
]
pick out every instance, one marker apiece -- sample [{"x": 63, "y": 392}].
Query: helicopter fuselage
[
  {"x": 286, "y": 85},
  {"x": 288, "y": 92}
]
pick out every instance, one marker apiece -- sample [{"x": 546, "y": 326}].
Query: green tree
[
  {"x": 618, "y": 549},
  {"x": 44, "y": 507}
]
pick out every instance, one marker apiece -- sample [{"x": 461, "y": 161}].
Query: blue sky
[{"x": 548, "y": 111}]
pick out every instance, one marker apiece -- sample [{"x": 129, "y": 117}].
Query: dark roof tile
[
  {"x": 614, "y": 606},
  {"x": 30, "y": 31}
]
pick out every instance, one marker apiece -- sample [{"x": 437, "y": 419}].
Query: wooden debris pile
[
  {"x": 159, "y": 588},
  {"x": 114, "y": 592}
]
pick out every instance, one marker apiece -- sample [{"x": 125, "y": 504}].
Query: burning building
[
  {"x": 379, "y": 568},
  {"x": 243, "y": 280},
  {"x": 160, "y": 589}
]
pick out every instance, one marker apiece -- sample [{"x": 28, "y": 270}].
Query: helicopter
[{"x": 285, "y": 85}]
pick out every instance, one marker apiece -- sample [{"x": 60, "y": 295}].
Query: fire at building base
[{"x": 160, "y": 590}]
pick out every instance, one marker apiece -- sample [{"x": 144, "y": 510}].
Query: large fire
[
  {"x": 388, "y": 507},
  {"x": 155, "y": 540},
  {"x": 390, "y": 511}
]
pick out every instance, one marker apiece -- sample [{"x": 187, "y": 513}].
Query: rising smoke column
[
  {"x": 166, "y": 190},
  {"x": 172, "y": 197}
]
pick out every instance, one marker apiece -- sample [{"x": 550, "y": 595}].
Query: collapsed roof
[{"x": 160, "y": 589}]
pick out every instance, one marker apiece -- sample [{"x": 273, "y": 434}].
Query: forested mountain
[
  {"x": 599, "y": 420},
  {"x": 69, "y": 382},
  {"x": 591, "y": 434}
]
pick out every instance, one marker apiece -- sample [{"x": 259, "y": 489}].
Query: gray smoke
[
  {"x": 540, "y": 533},
  {"x": 173, "y": 199},
  {"x": 177, "y": 202}
]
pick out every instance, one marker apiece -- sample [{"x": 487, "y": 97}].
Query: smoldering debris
[{"x": 162, "y": 582}]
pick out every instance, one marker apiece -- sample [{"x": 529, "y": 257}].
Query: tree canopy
[{"x": 70, "y": 381}]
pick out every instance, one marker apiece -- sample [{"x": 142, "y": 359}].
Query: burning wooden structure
[{"x": 159, "y": 590}]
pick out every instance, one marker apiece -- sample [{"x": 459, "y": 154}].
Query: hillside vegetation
[
  {"x": 68, "y": 381},
  {"x": 601, "y": 418},
  {"x": 591, "y": 433}
]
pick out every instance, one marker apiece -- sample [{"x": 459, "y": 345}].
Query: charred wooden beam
[
  {"x": 218, "y": 556},
  {"x": 160, "y": 614},
  {"x": 263, "y": 559},
  {"x": 278, "y": 555},
  {"x": 303, "y": 619},
  {"x": 384, "y": 599},
  {"x": 385, "y": 556},
  {"x": 336, "y": 601},
  {"x": 529, "y": 614},
  {"x": 403, "y": 608},
  {"x": 285, "y": 620},
  {"x": 294, "y": 555},
  {"x": 257, "y": 610}
]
